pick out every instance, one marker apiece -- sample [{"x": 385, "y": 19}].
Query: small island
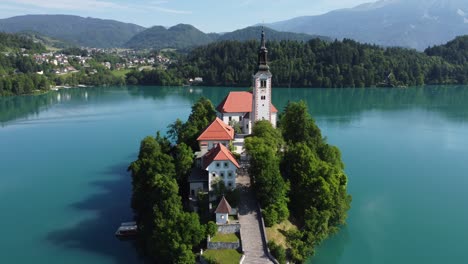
[{"x": 225, "y": 175}]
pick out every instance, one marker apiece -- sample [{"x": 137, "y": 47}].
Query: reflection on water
[{"x": 332, "y": 103}]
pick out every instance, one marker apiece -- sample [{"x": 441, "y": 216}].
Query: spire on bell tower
[{"x": 262, "y": 55}]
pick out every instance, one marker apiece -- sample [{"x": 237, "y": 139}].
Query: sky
[{"x": 206, "y": 15}]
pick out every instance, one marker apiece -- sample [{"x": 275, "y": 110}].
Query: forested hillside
[
  {"x": 318, "y": 63},
  {"x": 455, "y": 51},
  {"x": 181, "y": 36},
  {"x": 18, "y": 72},
  {"x": 251, "y": 33},
  {"x": 14, "y": 43},
  {"x": 88, "y": 32}
]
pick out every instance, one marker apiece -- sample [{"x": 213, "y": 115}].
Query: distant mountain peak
[
  {"x": 373, "y": 5},
  {"x": 407, "y": 23}
]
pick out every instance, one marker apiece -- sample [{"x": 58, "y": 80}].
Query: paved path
[{"x": 252, "y": 243}]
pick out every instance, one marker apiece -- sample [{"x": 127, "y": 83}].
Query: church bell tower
[{"x": 261, "y": 103}]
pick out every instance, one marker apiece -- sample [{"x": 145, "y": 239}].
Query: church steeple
[
  {"x": 262, "y": 55},
  {"x": 261, "y": 103}
]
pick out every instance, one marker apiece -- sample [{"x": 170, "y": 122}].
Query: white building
[
  {"x": 221, "y": 165},
  {"x": 218, "y": 164}
]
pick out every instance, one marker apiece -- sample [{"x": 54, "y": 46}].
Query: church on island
[
  {"x": 215, "y": 161},
  {"x": 246, "y": 108}
]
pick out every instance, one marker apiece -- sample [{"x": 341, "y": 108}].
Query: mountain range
[
  {"x": 414, "y": 24},
  {"x": 65, "y": 30},
  {"x": 185, "y": 36},
  {"x": 406, "y": 23}
]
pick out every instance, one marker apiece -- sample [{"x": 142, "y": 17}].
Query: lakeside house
[
  {"x": 218, "y": 164},
  {"x": 221, "y": 165}
]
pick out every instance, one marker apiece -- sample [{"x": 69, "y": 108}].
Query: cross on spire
[{"x": 262, "y": 54}]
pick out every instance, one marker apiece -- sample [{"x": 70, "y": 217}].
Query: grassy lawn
[
  {"x": 119, "y": 73},
  {"x": 225, "y": 256},
  {"x": 225, "y": 238},
  {"x": 276, "y": 232}
]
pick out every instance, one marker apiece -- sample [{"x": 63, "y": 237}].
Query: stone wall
[
  {"x": 264, "y": 236},
  {"x": 229, "y": 229},
  {"x": 224, "y": 245}
]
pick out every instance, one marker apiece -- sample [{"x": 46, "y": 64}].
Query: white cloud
[
  {"x": 68, "y": 4},
  {"x": 168, "y": 10},
  {"x": 96, "y": 5},
  {"x": 158, "y": 2}
]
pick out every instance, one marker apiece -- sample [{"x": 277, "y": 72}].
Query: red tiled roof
[
  {"x": 219, "y": 153},
  {"x": 223, "y": 207},
  {"x": 217, "y": 130},
  {"x": 236, "y": 102},
  {"x": 239, "y": 102}
]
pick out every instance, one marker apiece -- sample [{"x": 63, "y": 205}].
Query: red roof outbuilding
[{"x": 223, "y": 207}]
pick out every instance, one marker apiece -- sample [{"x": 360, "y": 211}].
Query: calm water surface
[{"x": 64, "y": 187}]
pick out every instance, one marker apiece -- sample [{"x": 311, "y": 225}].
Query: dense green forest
[
  {"x": 298, "y": 175},
  {"x": 14, "y": 43},
  {"x": 181, "y": 36},
  {"x": 168, "y": 233},
  {"x": 315, "y": 63},
  {"x": 318, "y": 63}
]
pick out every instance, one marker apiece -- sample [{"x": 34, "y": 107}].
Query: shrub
[
  {"x": 270, "y": 216},
  {"x": 277, "y": 251},
  {"x": 211, "y": 229}
]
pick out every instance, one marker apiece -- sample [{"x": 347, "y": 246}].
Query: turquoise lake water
[{"x": 64, "y": 187}]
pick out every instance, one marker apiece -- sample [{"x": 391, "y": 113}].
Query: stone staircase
[{"x": 249, "y": 218}]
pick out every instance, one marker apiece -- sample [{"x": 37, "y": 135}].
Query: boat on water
[{"x": 127, "y": 230}]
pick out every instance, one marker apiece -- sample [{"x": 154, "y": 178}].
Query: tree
[
  {"x": 211, "y": 228},
  {"x": 175, "y": 129},
  {"x": 167, "y": 233},
  {"x": 298, "y": 126},
  {"x": 203, "y": 113},
  {"x": 269, "y": 185},
  {"x": 271, "y": 136},
  {"x": 183, "y": 161}
]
